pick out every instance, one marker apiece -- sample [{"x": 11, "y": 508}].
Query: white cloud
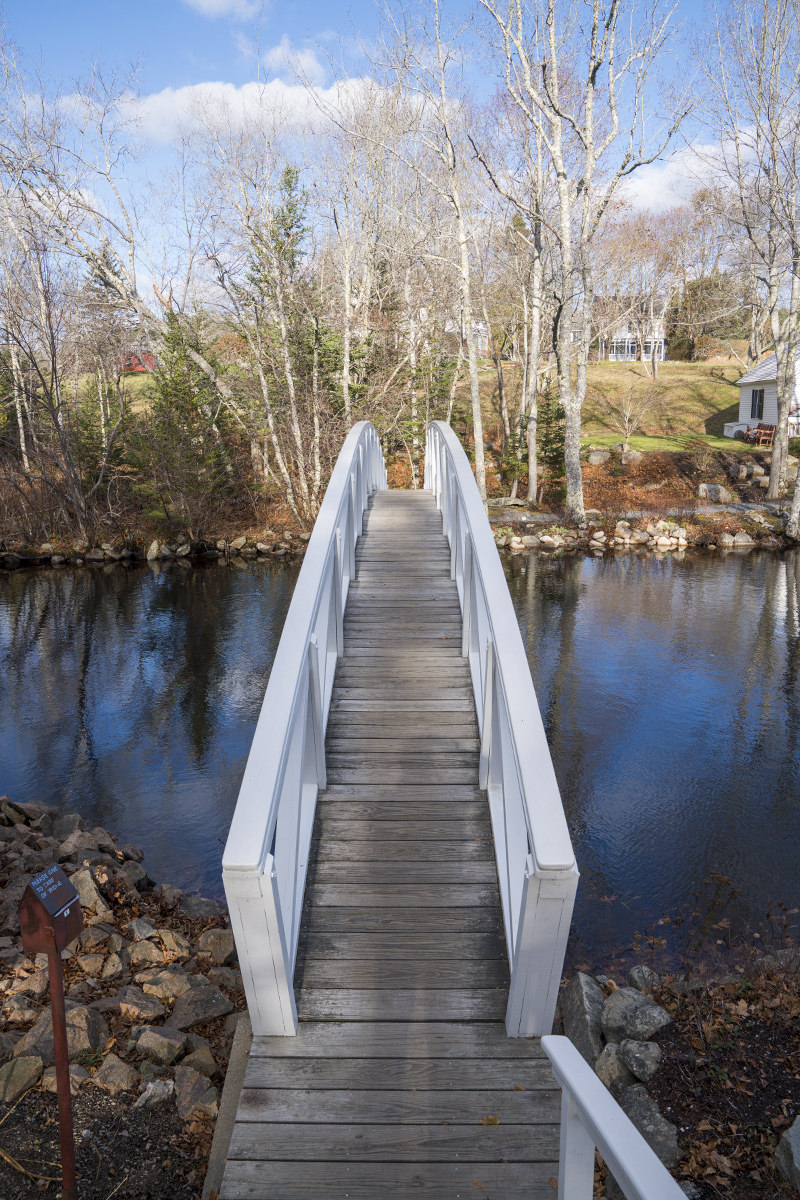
[
  {"x": 284, "y": 57},
  {"x": 238, "y": 10},
  {"x": 663, "y": 185},
  {"x": 161, "y": 115}
]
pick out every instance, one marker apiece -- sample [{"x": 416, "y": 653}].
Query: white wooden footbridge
[{"x": 401, "y": 879}]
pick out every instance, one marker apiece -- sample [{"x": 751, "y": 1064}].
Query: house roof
[{"x": 763, "y": 372}]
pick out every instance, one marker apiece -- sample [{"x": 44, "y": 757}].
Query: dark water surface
[
  {"x": 669, "y": 691},
  {"x": 131, "y": 696}
]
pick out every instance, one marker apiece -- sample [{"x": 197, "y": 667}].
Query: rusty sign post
[{"x": 50, "y": 918}]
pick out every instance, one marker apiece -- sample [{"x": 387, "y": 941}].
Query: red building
[{"x": 135, "y": 362}]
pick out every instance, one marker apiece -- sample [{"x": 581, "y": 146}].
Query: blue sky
[{"x": 180, "y": 44}]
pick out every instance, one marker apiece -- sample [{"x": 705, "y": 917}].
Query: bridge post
[
  {"x": 545, "y": 914},
  {"x": 254, "y": 908}
]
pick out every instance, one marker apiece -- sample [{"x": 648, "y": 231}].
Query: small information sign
[{"x": 50, "y": 914}]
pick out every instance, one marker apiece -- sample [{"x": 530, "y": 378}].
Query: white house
[
  {"x": 626, "y": 345},
  {"x": 758, "y": 400}
]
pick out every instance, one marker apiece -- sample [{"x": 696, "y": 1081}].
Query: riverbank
[
  {"x": 706, "y": 1067},
  {"x": 153, "y": 997},
  {"x": 288, "y": 545}
]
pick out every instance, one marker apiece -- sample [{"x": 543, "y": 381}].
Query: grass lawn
[{"x": 689, "y": 401}]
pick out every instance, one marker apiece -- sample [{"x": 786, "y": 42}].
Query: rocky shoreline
[
  {"x": 153, "y": 996},
  {"x": 284, "y": 546},
  {"x": 658, "y": 537}
]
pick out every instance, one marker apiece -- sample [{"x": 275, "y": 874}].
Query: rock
[
  {"x": 88, "y": 893},
  {"x": 714, "y": 492},
  {"x": 91, "y": 964},
  {"x": 224, "y": 977},
  {"x": 145, "y": 953},
  {"x": 18, "y": 1075},
  {"x": 660, "y": 1135},
  {"x": 218, "y": 945},
  {"x": 136, "y": 1006},
  {"x": 115, "y": 1076},
  {"x": 202, "y": 1003},
  {"x": 112, "y": 968},
  {"x": 140, "y": 929},
  {"x": 136, "y": 853},
  {"x": 95, "y": 555},
  {"x": 743, "y": 539},
  {"x": 157, "y": 1092},
  {"x": 167, "y": 985},
  {"x": 133, "y": 873},
  {"x": 643, "y": 978},
  {"x": 787, "y": 1155},
  {"x": 167, "y": 895},
  {"x": 629, "y": 1014},
  {"x": 725, "y": 539},
  {"x": 530, "y": 541},
  {"x": 162, "y": 1045},
  {"x": 198, "y": 907},
  {"x": 86, "y": 1031},
  {"x": 152, "y": 551},
  {"x": 193, "y": 1094},
  {"x": 598, "y": 457},
  {"x": 613, "y": 1072},
  {"x": 77, "y": 1076},
  {"x": 202, "y": 1060},
  {"x": 641, "y": 1058},
  {"x": 238, "y": 542},
  {"x": 66, "y": 824},
  {"x": 175, "y": 943},
  {"x": 581, "y": 1010},
  {"x": 631, "y": 456},
  {"x": 183, "y": 551}
]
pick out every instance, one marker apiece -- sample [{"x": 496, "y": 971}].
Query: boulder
[
  {"x": 88, "y": 893},
  {"x": 167, "y": 984},
  {"x": 613, "y": 1072},
  {"x": 175, "y": 943},
  {"x": 218, "y": 945},
  {"x": 660, "y": 1135},
  {"x": 157, "y": 1092},
  {"x": 199, "y": 907},
  {"x": 581, "y": 1010},
  {"x": 203, "y": 1002},
  {"x": 714, "y": 492},
  {"x": 725, "y": 539},
  {"x": 162, "y": 1045},
  {"x": 629, "y": 1014},
  {"x": 598, "y": 457},
  {"x": 167, "y": 895},
  {"x": 18, "y": 1076},
  {"x": 641, "y": 1058},
  {"x": 86, "y": 1031},
  {"x": 238, "y": 542},
  {"x": 112, "y": 967},
  {"x": 152, "y": 551},
  {"x": 787, "y": 1155},
  {"x": 530, "y": 541},
  {"x": 115, "y": 1076},
  {"x": 743, "y": 539},
  {"x": 136, "y": 1006},
  {"x": 133, "y": 873},
  {"x": 139, "y": 929},
  {"x": 77, "y": 1076},
  {"x": 193, "y": 1093},
  {"x": 643, "y": 978},
  {"x": 202, "y": 1060},
  {"x": 91, "y": 964},
  {"x": 66, "y": 824},
  {"x": 631, "y": 456}
]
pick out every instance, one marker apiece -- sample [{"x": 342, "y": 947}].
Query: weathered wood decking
[{"x": 401, "y": 1080}]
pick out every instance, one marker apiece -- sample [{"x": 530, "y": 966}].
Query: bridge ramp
[{"x": 401, "y": 1080}]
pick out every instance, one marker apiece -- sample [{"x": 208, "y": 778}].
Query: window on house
[{"x": 756, "y": 404}]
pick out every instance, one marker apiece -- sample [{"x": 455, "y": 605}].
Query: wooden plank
[
  {"x": 380, "y": 809},
  {"x": 363, "y": 774},
  {"x": 433, "y": 1074},
  {"x": 408, "y": 895},
  {"x": 390, "y": 1004},
  {"x": 340, "y": 827},
  {"x": 406, "y": 729},
  {"x": 390, "y": 1181},
  {"x": 407, "y": 852},
  {"x": 373, "y": 919},
  {"x": 400, "y": 1040},
  {"x": 347, "y": 974},
  {"x": 387, "y": 947},
  {"x": 259, "y": 1142},
  {"x": 387, "y": 1107},
  {"x": 357, "y": 791},
  {"x": 363, "y": 868}
]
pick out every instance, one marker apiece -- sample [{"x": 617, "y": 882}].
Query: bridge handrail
[
  {"x": 266, "y": 854},
  {"x": 590, "y": 1117},
  {"x": 536, "y": 864}
]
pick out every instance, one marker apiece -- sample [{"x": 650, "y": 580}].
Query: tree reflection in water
[{"x": 131, "y": 695}]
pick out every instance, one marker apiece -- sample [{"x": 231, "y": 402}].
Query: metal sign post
[{"x": 50, "y": 918}]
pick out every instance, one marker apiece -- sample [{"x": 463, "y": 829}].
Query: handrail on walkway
[
  {"x": 535, "y": 862},
  {"x": 266, "y": 854},
  {"x": 591, "y": 1117}
]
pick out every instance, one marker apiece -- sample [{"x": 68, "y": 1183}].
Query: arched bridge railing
[
  {"x": 535, "y": 861},
  {"x": 266, "y": 854}
]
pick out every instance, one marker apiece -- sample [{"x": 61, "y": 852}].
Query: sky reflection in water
[{"x": 669, "y": 692}]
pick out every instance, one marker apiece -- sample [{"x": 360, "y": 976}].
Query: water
[
  {"x": 669, "y": 691},
  {"x": 131, "y": 697}
]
